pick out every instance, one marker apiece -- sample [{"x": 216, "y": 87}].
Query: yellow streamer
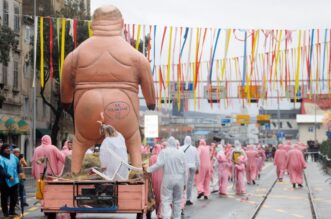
[
  {"x": 90, "y": 32},
  {"x": 41, "y": 52},
  {"x": 63, "y": 29},
  {"x": 277, "y": 53},
  {"x": 169, "y": 58},
  {"x": 138, "y": 37},
  {"x": 296, "y": 87},
  {"x": 227, "y": 43}
]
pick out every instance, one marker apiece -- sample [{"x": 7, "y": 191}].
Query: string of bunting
[{"x": 276, "y": 57}]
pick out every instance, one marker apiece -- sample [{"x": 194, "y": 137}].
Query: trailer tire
[
  {"x": 140, "y": 216},
  {"x": 73, "y": 215},
  {"x": 148, "y": 215},
  {"x": 50, "y": 215}
]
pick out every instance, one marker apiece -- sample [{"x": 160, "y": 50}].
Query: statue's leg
[
  {"x": 78, "y": 153},
  {"x": 133, "y": 146}
]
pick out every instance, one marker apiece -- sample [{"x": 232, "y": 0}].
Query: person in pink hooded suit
[
  {"x": 261, "y": 159},
  {"x": 223, "y": 173},
  {"x": 228, "y": 152},
  {"x": 240, "y": 175},
  {"x": 157, "y": 177},
  {"x": 295, "y": 165},
  {"x": 280, "y": 161},
  {"x": 55, "y": 159},
  {"x": 251, "y": 166},
  {"x": 203, "y": 177},
  {"x": 67, "y": 148}
]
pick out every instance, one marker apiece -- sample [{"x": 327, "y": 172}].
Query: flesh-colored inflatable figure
[{"x": 102, "y": 77}]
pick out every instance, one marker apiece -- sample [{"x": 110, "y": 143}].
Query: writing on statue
[{"x": 117, "y": 110}]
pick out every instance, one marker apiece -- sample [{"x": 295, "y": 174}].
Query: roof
[{"x": 309, "y": 118}]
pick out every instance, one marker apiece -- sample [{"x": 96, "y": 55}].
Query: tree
[
  {"x": 72, "y": 9},
  {"x": 7, "y": 42}
]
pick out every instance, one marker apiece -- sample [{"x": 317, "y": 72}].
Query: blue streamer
[
  {"x": 213, "y": 56},
  {"x": 310, "y": 56},
  {"x": 324, "y": 53},
  {"x": 244, "y": 61},
  {"x": 185, "y": 38},
  {"x": 154, "y": 50}
]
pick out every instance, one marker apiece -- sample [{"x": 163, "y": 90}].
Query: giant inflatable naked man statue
[{"x": 101, "y": 77}]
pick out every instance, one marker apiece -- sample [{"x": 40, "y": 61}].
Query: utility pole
[{"x": 34, "y": 74}]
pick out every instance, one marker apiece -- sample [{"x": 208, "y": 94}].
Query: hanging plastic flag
[
  {"x": 63, "y": 32},
  {"x": 310, "y": 56},
  {"x": 169, "y": 58},
  {"x": 51, "y": 49},
  {"x": 154, "y": 40},
  {"x": 227, "y": 43},
  {"x": 244, "y": 60},
  {"x": 138, "y": 37},
  {"x": 277, "y": 54},
  {"x": 149, "y": 44},
  {"x": 58, "y": 23},
  {"x": 324, "y": 54},
  {"x": 296, "y": 87},
  {"x": 41, "y": 35},
  {"x": 75, "y": 32},
  {"x": 213, "y": 55},
  {"x": 90, "y": 32}
]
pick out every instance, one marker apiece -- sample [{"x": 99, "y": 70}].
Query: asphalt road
[{"x": 229, "y": 207}]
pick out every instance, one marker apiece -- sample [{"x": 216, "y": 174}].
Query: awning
[{"x": 13, "y": 125}]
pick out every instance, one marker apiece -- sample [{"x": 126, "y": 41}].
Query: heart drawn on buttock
[{"x": 117, "y": 110}]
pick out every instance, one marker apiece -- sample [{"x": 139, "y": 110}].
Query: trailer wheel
[
  {"x": 140, "y": 216},
  {"x": 148, "y": 215},
  {"x": 50, "y": 215},
  {"x": 73, "y": 215}
]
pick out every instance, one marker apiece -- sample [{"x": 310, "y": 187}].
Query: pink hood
[{"x": 46, "y": 140}]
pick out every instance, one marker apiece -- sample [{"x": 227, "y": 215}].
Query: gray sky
[
  {"x": 266, "y": 14},
  {"x": 273, "y": 14}
]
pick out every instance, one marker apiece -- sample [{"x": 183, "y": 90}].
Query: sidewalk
[{"x": 321, "y": 190}]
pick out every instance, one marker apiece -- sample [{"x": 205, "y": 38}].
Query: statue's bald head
[{"x": 108, "y": 13}]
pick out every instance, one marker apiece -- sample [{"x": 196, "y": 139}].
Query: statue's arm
[
  {"x": 67, "y": 82},
  {"x": 147, "y": 84}
]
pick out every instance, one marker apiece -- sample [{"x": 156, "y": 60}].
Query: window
[
  {"x": 289, "y": 125},
  {"x": 311, "y": 129},
  {"x": 17, "y": 19},
  {"x": 27, "y": 34},
  {"x": 26, "y": 106},
  {"x": 5, "y": 13},
  {"x": 4, "y": 75},
  {"x": 15, "y": 83},
  {"x": 26, "y": 70}
]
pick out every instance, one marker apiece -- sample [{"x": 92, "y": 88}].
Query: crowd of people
[{"x": 175, "y": 169}]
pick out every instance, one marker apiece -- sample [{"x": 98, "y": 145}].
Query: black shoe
[
  {"x": 214, "y": 191},
  {"x": 206, "y": 197},
  {"x": 13, "y": 214},
  {"x": 182, "y": 213},
  {"x": 200, "y": 195},
  {"x": 254, "y": 182},
  {"x": 6, "y": 215},
  {"x": 300, "y": 185},
  {"x": 294, "y": 186},
  {"x": 26, "y": 205},
  {"x": 188, "y": 202}
]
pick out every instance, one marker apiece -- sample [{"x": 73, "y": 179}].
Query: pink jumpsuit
[
  {"x": 203, "y": 178},
  {"x": 261, "y": 159},
  {"x": 54, "y": 156},
  {"x": 223, "y": 173},
  {"x": 240, "y": 175},
  {"x": 295, "y": 165},
  {"x": 157, "y": 177},
  {"x": 251, "y": 166},
  {"x": 228, "y": 152},
  {"x": 280, "y": 161}
]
